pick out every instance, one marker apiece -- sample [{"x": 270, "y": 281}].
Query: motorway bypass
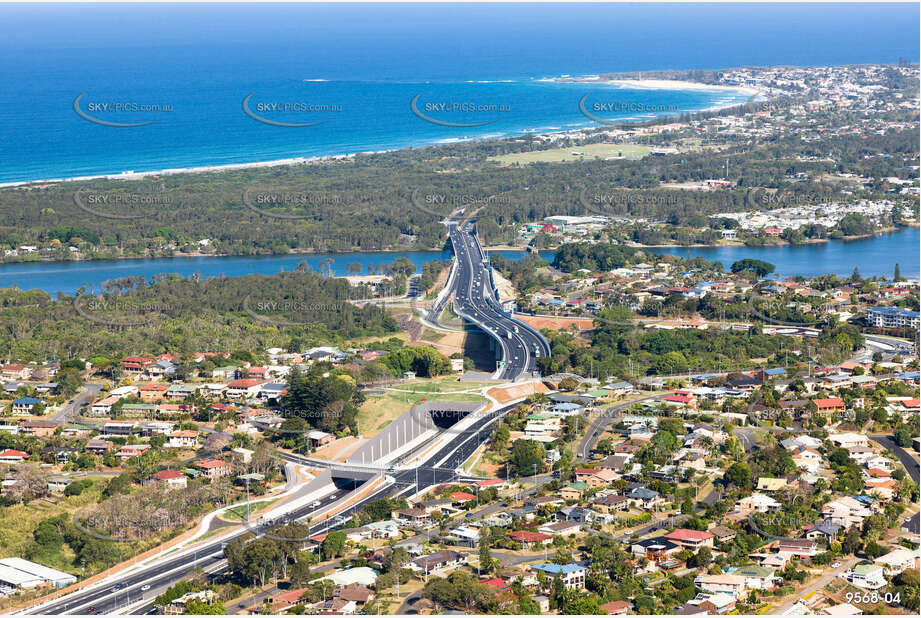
[
  {"x": 475, "y": 300},
  {"x": 126, "y": 590}
]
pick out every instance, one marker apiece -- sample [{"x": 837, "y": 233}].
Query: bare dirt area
[
  {"x": 338, "y": 450},
  {"x": 506, "y": 394},
  {"x": 556, "y": 323}
]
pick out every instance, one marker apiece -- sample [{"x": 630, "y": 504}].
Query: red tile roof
[
  {"x": 14, "y": 453},
  {"x": 529, "y": 536},
  {"x": 684, "y": 534}
]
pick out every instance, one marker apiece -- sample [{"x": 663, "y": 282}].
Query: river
[{"x": 873, "y": 256}]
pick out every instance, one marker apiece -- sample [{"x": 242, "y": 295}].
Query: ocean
[{"x": 349, "y": 74}]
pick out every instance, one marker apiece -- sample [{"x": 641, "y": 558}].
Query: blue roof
[
  {"x": 558, "y": 568},
  {"x": 779, "y": 371},
  {"x": 566, "y": 406},
  {"x": 894, "y": 311},
  {"x": 27, "y": 401},
  {"x": 909, "y": 375}
]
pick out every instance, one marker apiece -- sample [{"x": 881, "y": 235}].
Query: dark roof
[{"x": 657, "y": 541}]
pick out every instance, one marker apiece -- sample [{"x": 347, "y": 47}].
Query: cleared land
[{"x": 589, "y": 151}]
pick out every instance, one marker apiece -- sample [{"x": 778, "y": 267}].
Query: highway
[
  {"x": 475, "y": 300},
  {"x": 440, "y": 467}
]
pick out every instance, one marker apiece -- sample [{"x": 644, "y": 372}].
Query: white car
[
  {"x": 835, "y": 565},
  {"x": 145, "y": 587}
]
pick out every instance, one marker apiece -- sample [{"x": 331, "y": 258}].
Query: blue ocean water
[{"x": 355, "y": 69}]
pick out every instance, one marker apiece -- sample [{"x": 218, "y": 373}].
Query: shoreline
[
  {"x": 493, "y": 248},
  {"x": 641, "y": 84},
  {"x": 663, "y": 84}
]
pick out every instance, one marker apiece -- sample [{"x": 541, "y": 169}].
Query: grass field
[
  {"x": 589, "y": 151},
  {"x": 18, "y": 522},
  {"x": 378, "y": 412},
  {"x": 238, "y": 513}
]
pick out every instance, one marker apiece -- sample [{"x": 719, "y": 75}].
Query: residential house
[
  {"x": 869, "y": 576},
  {"x": 174, "y": 479},
  {"x": 213, "y": 468},
  {"x": 574, "y": 491},
  {"x": 98, "y": 446},
  {"x": 658, "y": 549},
  {"x": 25, "y": 405},
  {"x": 529, "y": 538},
  {"x": 439, "y": 562},
  {"x": 152, "y": 392},
  {"x": 771, "y": 485},
  {"x": 759, "y": 503},
  {"x": 245, "y": 388},
  {"x": 186, "y": 438},
  {"x": 898, "y": 560},
  {"x": 596, "y": 478},
  {"x": 690, "y": 539},
  {"x": 757, "y": 577},
  {"x": 803, "y": 548},
  {"x": 848, "y": 440},
  {"x": 562, "y": 528},
  {"x": 39, "y": 429},
  {"x": 573, "y": 575},
  {"x": 611, "y": 503},
  {"x": 128, "y": 451},
  {"x": 13, "y": 456},
  {"x": 721, "y": 584},
  {"x": 411, "y": 517}
]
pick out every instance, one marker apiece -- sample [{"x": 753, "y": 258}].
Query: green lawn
[
  {"x": 379, "y": 411},
  {"x": 238, "y": 513},
  {"x": 590, "y": 151}
]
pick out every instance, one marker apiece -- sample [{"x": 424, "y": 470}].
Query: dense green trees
[
  {"x": 424, "y": 361},
  {"x": 326, "y": 398},
  {"x": 291, "y": 310}
]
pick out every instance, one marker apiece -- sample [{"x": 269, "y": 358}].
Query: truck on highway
[{"x": 508, "y": 334}]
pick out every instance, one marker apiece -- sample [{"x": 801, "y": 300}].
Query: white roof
[
  {"x": 896, "y": 556},
  {"x": 845, "y": 609},
  {"x": 38, "y": 570},
  {"x": 20, "y": 579},
  {"x": 366, "y": 576}
]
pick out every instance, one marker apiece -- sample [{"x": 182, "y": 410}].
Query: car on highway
[
  {"x": 118, "y": 586},
  {"x": 316, "y": 503},
  {"x": 145, "y": 587}
]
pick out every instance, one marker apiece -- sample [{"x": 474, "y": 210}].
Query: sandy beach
[{"x": 669, "y": 84}]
